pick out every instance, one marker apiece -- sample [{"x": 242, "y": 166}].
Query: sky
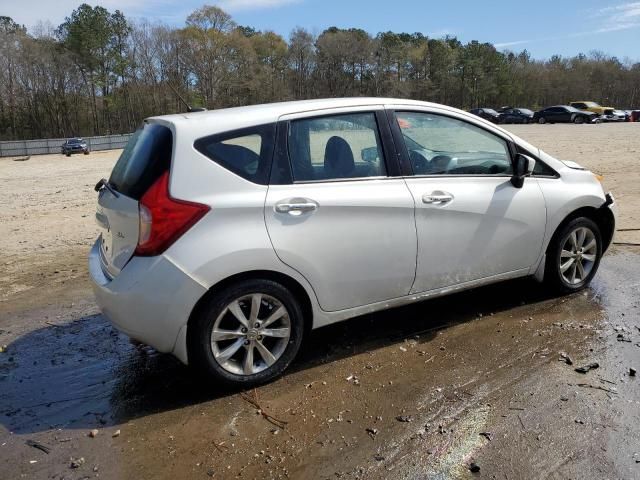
[{"x": 543, "y": 27}]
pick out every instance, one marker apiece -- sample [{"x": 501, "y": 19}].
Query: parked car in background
[
  {"x": 616, "y": 116},
  {"x": 487, "y": 113},
  {"x": 594, "y": 107},
  {"x": 226, "y": 236},
  {"x": 516, "y": 115},
  {"x": 565, "y": 114},
  {"x": 75, "y": 145}
]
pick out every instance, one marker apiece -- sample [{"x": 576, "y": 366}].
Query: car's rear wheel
[
  {"x": 574, "y": 255},
  {"x": 247, "y": 334},
  {"x": 542, "y": 120}
]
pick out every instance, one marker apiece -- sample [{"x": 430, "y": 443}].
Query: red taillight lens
[{"x": 164, "y": 219}]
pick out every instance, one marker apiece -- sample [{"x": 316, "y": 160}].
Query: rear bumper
[{"x": 150, "y": 300}]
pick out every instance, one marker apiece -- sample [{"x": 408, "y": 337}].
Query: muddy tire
[
  {"x": 573, "y": 256},
  {"x": 246, "y": 334}
]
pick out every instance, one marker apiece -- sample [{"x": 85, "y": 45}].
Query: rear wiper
[{"x": 104, "y": 183}]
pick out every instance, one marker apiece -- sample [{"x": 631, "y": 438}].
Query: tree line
[{"x": 100, "y": 73}]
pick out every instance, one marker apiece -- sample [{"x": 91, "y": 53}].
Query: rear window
[
  {"x": 246, "y": 152},
  {"x": 143, "y": 160}
]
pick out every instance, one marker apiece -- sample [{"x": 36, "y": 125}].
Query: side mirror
[
  {"x": 369, "y": 154},
  {"x": 523, "y": 166}
]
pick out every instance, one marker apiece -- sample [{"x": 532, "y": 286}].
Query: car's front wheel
[
  {"x": 573, "y": 255},
  {"x": 542, "y": 120},
  {"x": 246, "y": 334},
  {"x": 578, "y": 119}
]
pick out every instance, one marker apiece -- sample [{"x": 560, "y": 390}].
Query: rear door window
[
  {"x": 336, "y": 147},
  {"x": 247, "y": 152},
  {"x": 143, "y": 160}
]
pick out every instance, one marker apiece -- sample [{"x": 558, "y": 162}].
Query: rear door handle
[
  {"x": 296, "y": 206},
  {"x": 437, "y": 197}
]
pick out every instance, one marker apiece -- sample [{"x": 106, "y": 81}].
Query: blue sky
[{"x": 543, "y": 27}]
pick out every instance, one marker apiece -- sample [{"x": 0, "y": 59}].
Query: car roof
[{"x": 234, "y": 118}]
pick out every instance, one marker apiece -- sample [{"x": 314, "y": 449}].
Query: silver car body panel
[
  {"x": 465, "y": 245},
  {"x": 358, "y": 247},
  {"x": 488, "y": 228}
]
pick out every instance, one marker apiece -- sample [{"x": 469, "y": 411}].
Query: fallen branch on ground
[
  {"x": 254, "y": 401},
  {"x": 597, "y": 387}
]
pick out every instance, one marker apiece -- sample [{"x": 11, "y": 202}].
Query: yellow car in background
[{"x": 593, "y": 107}]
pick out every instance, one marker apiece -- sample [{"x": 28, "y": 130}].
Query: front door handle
[
  {"x": 437, "y": 197},
  {"x": 296, "y": 206}
]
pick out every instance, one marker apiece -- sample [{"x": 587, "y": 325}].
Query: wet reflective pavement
[{"x": 416, "y": 392}]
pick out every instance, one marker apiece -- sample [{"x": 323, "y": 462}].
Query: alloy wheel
[
  {"x": 250, "y": 334},
  {"x": 578, "y": 255}
]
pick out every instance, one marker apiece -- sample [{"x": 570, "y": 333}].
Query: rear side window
[
  {"x": 143, "y": 160},
  {"x": 245, "y": 152},
  {"x": 335, "y": 147}
]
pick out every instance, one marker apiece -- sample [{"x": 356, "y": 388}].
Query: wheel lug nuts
[
  {"x": 243, "y": 330},
  {"x": 256, "y": 325},
  {"x": 246, "y": 342},
  {"x": 259, "y": 337}
]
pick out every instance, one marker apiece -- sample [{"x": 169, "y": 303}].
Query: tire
[
  {"x": 562, "y": 250},
  {"x": 542, "y": 120},
  {"x": 210, "y": 356},
  {"x": 578, "y": 119},
  {"x": 86, "y": 153},
  {"x": 68, "y": 154}
]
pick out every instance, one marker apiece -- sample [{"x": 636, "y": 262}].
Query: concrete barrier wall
[{"x": 53, "y": 145}]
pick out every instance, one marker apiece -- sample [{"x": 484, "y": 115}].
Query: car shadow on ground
[{"x": 85, "y": 374}]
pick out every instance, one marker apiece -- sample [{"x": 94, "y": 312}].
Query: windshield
[
  {"x": 572, "y": 109},
  {"x": 526, "y": 111},
  {"x": 491, "y": 111}
]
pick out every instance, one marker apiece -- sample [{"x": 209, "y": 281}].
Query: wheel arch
[
  {"x": 290, "y": 283},
  {"x": 602, "y": 216}
]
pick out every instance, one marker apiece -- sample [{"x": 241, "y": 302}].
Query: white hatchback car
[{"x": 228, "y": 234}]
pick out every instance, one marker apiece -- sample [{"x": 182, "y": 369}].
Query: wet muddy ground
[{"x": 419, "y": 392}]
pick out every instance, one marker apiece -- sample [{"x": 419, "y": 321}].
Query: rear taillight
[{"x": 164, "y": 219}]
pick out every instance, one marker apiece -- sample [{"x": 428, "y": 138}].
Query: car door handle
[
  {"x": 437, "y": 197},
  {"x": 296, "y": 206}
]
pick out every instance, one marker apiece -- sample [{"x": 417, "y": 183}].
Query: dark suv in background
[{"x": 75, "y": 145}]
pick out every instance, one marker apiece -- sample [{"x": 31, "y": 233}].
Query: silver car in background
[{"x": 228, "y": 235}]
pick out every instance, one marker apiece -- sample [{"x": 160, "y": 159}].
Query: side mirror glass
[{"x": 523, "y": 166}]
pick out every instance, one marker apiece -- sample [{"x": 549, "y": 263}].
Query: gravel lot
[{"x": 417, "y": 392}]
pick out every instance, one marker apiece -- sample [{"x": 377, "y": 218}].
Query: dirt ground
[{"x": 418, "y": 392}]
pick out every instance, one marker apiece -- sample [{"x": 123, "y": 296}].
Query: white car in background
[{"x": 228, "y": 235}]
